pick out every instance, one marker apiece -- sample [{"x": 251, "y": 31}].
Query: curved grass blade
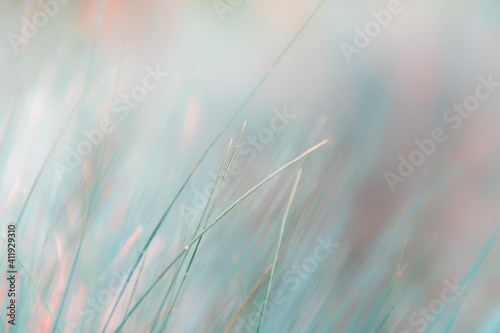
[
  {"x": 195, "y": 239},
  {"x": 238, "y": 111},
  {"x": 204, "y": 226},
  {"x": 157, "y": 317}
]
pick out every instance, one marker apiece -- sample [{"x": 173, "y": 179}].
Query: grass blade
[
  {"x": 195, "y": 239},
  {"x": 204, "y": 226},
  {"x": 289, "y": 204},
  {"x": 238, "y": 111}
]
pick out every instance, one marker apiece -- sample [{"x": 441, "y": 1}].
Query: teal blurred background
[{"x": 257, "y": 61}]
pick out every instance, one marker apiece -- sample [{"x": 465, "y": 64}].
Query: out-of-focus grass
[{"x": 106, "y": 247}]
